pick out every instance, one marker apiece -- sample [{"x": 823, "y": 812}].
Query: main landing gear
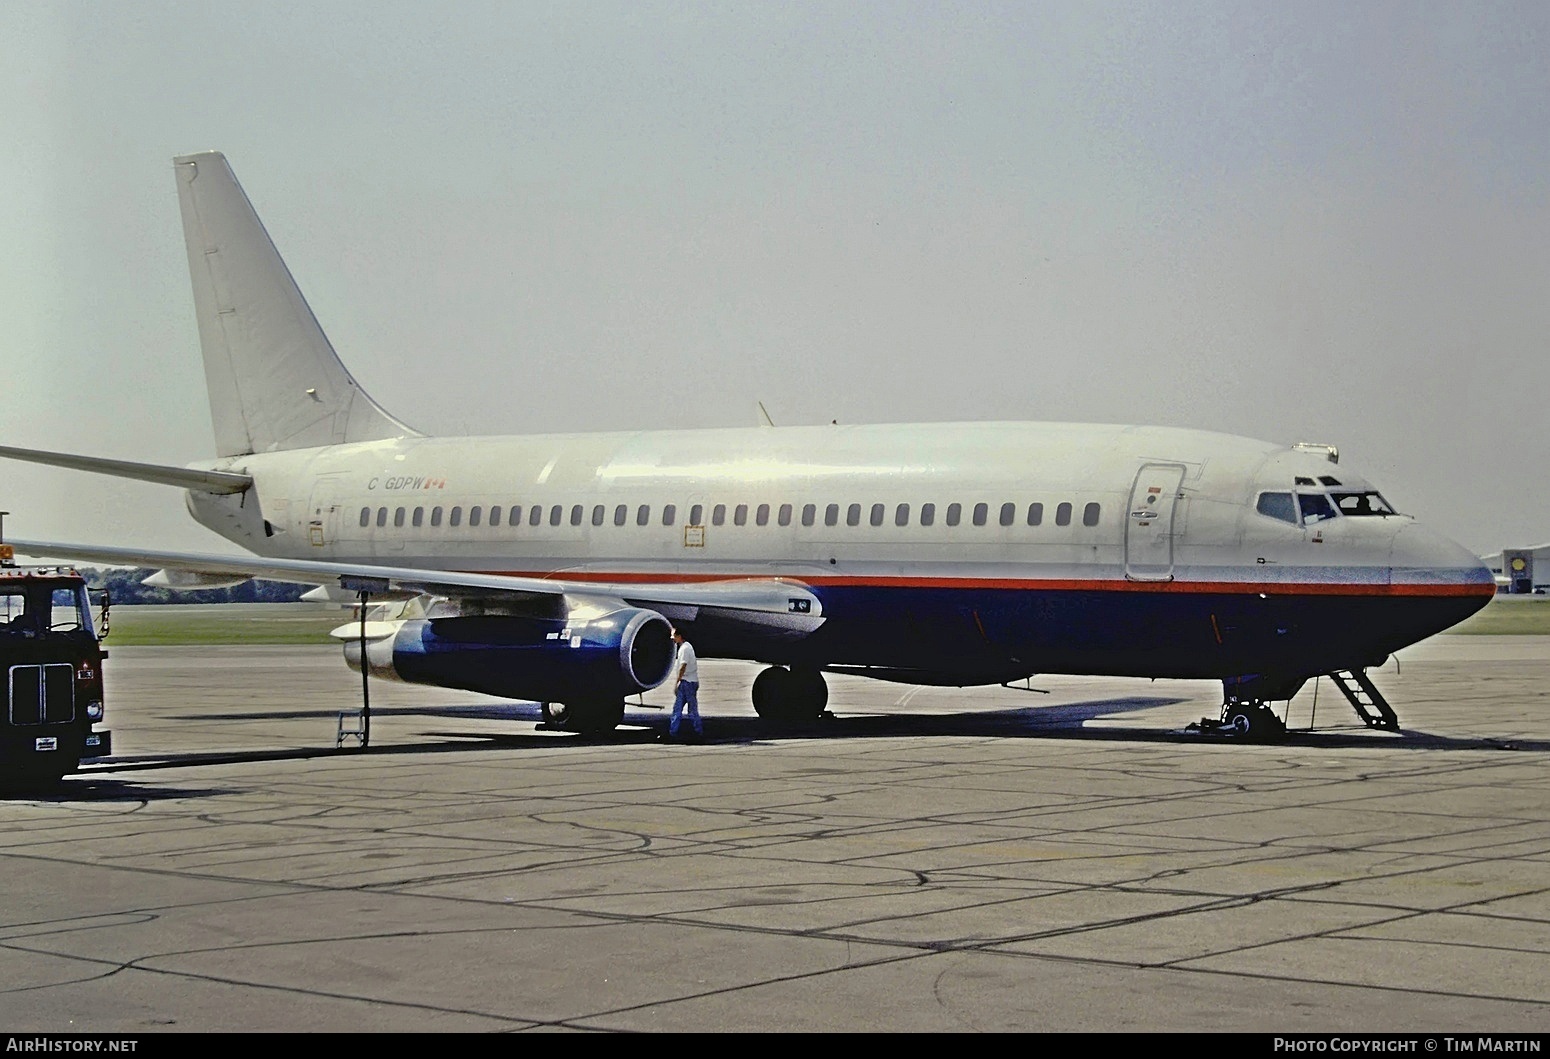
[
  {"x": 587, "y": 716},
  {"x": 790, "y": 696}
]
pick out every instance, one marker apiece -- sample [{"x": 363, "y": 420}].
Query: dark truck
[{"x": 52, "y": 660}]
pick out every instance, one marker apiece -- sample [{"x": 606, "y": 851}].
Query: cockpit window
[
  {"x": 1359, "y": 504},
  {"x": 1327, "y": 480},
  {"x": 1315, "y": 507},
  {"x": 1277, "y": 505}
]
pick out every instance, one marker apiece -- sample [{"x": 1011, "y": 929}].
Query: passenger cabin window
[
  {"x": 877, "y": 514},
  {"x": 1035, "y": 514},
  {"x": 419, "y": 517},
  {"x": 495, "y": 515},
  {"x": 927, "y": 514},
  {"x": 473, "y": 515},
  {"x": 954, "y": 514},
  {"x": 365, "y": 516},
  {"x": 762, "y": 515},
  {"x": 697, "y": 515},
  {"x": 669, "y": 513},
  {"x": 597, "y": 514},
  {"x": 622, "y": 514},
  {"x": 809, "y": 514},
  {"x": 831, "y": 515},
  {"x": 1008, "y": 514},
  {"x": 1362, "y": 504},
  {"x": 398, "y": 518},
  {"x": 901, "y": 515},
  {"x": 643, "y": 515},
  {"x": 1277, "y": 506},
  {"x": 455, "y": 517},
  {"x": 1315, "y": 507},
  {"x": 1063, "y": 515},
  {"x": 785, "y": 515},
  {"x": 853, "y": 515},
  {"x": 740, "y": 515},
  {"x": 718, "y": 515},
  {"x": 1090, "y": 515},
  {"x": 981, "y": 512},
  {"x": 575, "y": 514},
  {"x": 435, "y": 516},
  {"x": 556, "y": 515},
  {"x": 381, "y": 516}
]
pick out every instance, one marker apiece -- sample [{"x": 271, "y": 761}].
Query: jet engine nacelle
[{"x": 603, "y": 656}]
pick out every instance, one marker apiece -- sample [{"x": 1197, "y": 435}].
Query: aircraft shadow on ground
[{"x": 642, "y": 726}]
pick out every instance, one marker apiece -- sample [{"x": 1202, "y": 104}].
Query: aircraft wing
[{"x": 759, "y": 607}]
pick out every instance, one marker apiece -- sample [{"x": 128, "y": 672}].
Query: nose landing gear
[{"x": 1248, "y": 720}]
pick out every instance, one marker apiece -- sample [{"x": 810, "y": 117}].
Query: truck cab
[{"x": 51, "y": 660}]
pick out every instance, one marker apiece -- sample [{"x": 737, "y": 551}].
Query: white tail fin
[{"x": 275, "y": 382}]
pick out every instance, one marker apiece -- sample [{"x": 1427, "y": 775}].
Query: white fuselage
[{"x": 1134, "y": 516}]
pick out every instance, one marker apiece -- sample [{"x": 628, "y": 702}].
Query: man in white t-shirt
[{"x": 686, "y": 687}]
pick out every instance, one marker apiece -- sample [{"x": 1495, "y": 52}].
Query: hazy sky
[{"x": 1296, "y": 221}]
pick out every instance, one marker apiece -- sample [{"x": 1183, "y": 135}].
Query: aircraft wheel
[
  {"x": 595, "y": 717},
  {"x": 809, "y": 693},
  {"x": 555, "y": 713},
  {"x": 772, "y": 694},
  {"x": 1255, "y": 723}
]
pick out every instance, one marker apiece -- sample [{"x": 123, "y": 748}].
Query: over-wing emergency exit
[{"x": 550, "y": 567}]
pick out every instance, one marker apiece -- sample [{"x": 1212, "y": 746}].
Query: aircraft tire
[
  {"x": 1255, "y": 724},
  {"x": 556, "y": 714},
  {"x": 809, "y": 694},
  {"x": 772, "y": 694},
  {"x": 594, "y": 717}
]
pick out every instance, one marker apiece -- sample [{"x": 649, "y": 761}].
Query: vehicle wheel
[
  {"x": 33, "y": 780},
  {"x": 556, "y": 714}
]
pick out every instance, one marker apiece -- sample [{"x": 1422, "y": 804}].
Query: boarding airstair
[{"x": 1368, "y": 702}]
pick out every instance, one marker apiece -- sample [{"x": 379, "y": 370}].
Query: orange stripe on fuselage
[{"x": 1301, "y": 588}]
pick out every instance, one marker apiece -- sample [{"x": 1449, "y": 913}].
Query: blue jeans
[{"x": 688, "y": 693}]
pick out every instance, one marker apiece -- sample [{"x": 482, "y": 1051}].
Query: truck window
[
  {"x": 66, "y": 613},
  {"x": 14, "y": 618}
]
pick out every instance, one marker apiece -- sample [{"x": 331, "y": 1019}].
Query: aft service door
[
  {"x": 1149, "y": 522},
  {"x": 323, "y": 511}
]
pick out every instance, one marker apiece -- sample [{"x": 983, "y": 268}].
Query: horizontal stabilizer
[
  {"x": 182, "y": 477},
  {"x": 378, "y": 581}
]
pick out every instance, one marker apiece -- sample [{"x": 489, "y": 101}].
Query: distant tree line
[{"x": 124, "y": 586}]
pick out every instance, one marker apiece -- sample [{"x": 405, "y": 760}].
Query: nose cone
[{"x": 1447, "y": 581}]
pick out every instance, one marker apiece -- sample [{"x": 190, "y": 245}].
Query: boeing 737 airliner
[{"x": 550, "y": 567}]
